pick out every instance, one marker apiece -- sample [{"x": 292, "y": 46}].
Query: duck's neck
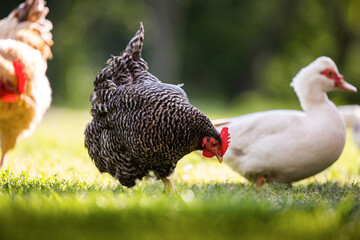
[{"x": 313, "y": 100}]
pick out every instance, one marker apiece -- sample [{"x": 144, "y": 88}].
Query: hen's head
[
  {"x": 213, "y": 147},
  {"x": 10, "y": 92}
]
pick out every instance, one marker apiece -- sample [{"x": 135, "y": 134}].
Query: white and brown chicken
[{"x": 25, "y": 93}]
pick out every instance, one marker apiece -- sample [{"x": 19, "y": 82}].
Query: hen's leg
[
  {"x": 2, "y": 160},
  {"x": 169, "y": 186},
  {"x": 260, "y": 180},
  {"x": 8, "y": 140}
]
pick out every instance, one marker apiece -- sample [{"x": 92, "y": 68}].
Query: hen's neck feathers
[
  {"x": 28, "y": 24},
  {"x": 6, "y": 68}
]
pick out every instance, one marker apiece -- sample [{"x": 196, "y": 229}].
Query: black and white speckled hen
[{"x": 141, "y": 125}]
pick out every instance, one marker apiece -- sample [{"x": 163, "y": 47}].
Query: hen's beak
[
  {"x": 220, "y": 158},
  {"x": 346, "y": 86}
]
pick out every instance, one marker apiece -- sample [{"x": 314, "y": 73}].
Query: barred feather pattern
[{"x": 140, "y": 124}]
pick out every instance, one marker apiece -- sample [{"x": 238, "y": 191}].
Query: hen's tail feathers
[
  {"x": 27, "y": 23},
  {"x": 128, "y": 68},
  {"x": 124, "y": 69},
  {"x": 135, "y": 45},
  {"x": 132, "y": 53}
]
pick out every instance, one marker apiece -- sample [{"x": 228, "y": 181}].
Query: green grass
[{"x": 51, "y": 190}]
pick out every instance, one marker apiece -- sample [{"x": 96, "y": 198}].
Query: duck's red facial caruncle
[{"x": 338, "y": 80}]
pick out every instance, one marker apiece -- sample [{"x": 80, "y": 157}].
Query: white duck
[
  {"x": 287, "y": 145},
  {"x": 351, "y": 115}
]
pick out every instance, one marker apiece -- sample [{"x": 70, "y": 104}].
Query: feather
[
  {"x": 220, "y": 122},
  {"x": 27, "y": 23}
]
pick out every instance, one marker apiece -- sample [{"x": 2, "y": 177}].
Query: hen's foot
[{"x": 260, "y": 180}]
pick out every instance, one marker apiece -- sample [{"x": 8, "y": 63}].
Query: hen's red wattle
[{"x": 207, "y": 153}]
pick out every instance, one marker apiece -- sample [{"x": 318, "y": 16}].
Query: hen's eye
[{"x": 213, "y": 144}]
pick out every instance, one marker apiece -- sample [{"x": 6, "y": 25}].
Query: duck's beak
[{"x": 346, "y": 86}]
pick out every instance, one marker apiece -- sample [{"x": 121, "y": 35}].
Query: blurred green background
[{"x": 226, "y": 51}]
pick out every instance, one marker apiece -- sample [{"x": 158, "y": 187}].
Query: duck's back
[{"x": 285, "y": 145}]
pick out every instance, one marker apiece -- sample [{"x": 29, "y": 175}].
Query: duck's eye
[{"x": 330, "y": 73}]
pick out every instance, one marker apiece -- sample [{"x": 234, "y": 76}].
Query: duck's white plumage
[
  {"x": 351, "y": 115},
  {"x": 288, "y": 145}
]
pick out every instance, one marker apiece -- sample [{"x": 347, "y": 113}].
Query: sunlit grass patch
[{"x": 51, "y": 188}]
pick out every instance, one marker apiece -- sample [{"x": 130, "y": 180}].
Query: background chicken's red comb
[
  {"x": 225, "y": 136},
  {"x": 20, "y": 74}
]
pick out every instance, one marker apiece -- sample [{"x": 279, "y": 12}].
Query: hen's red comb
[
  {"x": 20, "y": 75},
  {"x": 225, "y": 136}
]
